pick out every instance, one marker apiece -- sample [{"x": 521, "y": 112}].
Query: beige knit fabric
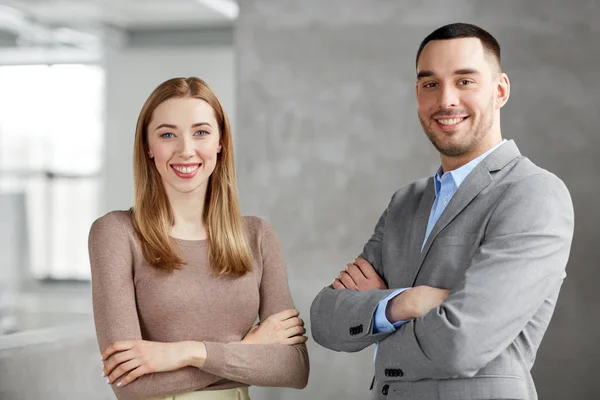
[{"x": 133, "y": 300}]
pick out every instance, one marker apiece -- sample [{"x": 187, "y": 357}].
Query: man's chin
[
  {"x": 450, "y": 148},
  {"x": 453, "y": 151}
]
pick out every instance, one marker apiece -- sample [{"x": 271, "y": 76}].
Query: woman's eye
[
  {"x": 201, "y": 133},
  {"x": 167, "y": 135}
]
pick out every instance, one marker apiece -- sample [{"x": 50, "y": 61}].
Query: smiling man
[{"x": 459, "y": 281}]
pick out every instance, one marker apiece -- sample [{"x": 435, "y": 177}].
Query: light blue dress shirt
[{"x": 446, "y": 184}]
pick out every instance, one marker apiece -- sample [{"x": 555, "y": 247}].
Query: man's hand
[
  {"x": 414, "y": 302},
  {"x": 360, "y": 275}
]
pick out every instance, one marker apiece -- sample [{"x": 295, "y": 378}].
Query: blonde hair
[{"x": 228, "y": 250}]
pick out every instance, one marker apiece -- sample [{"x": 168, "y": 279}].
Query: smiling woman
[{"x": 179, "y": 280}]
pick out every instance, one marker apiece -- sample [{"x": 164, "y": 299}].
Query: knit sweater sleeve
[
  {"x": 112, "y": 251},
  {"x": 264, "y": 364}
]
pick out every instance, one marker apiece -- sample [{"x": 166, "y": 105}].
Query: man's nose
[{"x": 448, "y": 97}]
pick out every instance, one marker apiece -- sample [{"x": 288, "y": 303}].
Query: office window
[{"x": 51, "y": 130}]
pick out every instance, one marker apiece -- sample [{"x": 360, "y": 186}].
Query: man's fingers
[
  {"x": 337, "y": 284},
  {"x": 355, "y": 273},
  {"x": 366, "y": 268},
  {"x": 347, "y": 281}
]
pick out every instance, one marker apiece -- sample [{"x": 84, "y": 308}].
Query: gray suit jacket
[{"x": 500, "y": 246}]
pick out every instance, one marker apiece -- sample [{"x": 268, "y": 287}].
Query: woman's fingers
[
  {"x": 284, "y": 315},
  {"x": 116, "y": 347},
  {"x": 295, "y": 340},
  {"x": 296, "y": 330},
  {"x": 289, "y": 323},
  {"x": 115, "y": 359},
  {"x": 133, "y": 375},
  {"x": 123, "y": 369}
]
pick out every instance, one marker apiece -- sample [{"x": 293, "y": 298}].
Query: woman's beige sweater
[{"x": 133, "y": 300}]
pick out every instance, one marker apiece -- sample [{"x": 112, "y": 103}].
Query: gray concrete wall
[{"x": 327, "y": 131}]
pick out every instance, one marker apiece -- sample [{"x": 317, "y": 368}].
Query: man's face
[{"x": 458, "y": 88}]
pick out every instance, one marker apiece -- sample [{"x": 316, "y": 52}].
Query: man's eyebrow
[
  {"x": 466, "y": 71},
  {"x": 463, "y": 71},
  {"x": 424, "y": 74}
]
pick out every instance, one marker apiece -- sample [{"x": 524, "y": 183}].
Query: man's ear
[{"x": 502, "y": 90}]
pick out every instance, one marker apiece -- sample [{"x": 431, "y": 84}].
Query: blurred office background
[{"x": 321, "y": 98}]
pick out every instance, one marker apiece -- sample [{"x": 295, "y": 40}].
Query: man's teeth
[
  {"x": 186, "y": 170},
  {"x": 450, "y": 121}
]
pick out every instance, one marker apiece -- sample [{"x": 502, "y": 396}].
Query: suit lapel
[
  {"x": 419, "y": 224},
  {"x": 475, "y": 182}
]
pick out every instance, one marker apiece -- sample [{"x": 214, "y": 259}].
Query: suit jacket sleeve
[
  {"x": 341, "y": 319},
  {"x": 519, "y": 265}
]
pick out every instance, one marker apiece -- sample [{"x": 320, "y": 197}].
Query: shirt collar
[{"x": 460, "y": 174}]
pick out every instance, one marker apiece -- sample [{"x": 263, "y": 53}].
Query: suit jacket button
[{"x": 385, "y": 389}]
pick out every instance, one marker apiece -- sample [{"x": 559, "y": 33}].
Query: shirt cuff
[{"x": 380, "y": 321}]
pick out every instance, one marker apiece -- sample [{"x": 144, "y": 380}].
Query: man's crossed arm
[
  {"x": 411, "y": 303},
  {"x": 510, "y": 285}
]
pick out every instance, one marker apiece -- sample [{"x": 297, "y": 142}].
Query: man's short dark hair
[{"x": 462, "y": 30}]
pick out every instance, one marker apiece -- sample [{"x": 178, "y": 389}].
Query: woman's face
[{"x": 184, "y": 140}]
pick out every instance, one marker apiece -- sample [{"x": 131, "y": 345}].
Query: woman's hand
[
  {"x": 284, "y": 327},
  {"x": 127, "y": 360}
]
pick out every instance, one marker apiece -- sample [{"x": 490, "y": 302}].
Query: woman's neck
[{"x": 188, "y": 210}]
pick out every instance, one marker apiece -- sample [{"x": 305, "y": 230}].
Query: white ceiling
[
  {"x": 64, "y": 31},
  {"x": 126, "y": 14}
]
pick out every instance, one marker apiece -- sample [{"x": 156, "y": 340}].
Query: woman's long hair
[{"x": 228, "y": 250}]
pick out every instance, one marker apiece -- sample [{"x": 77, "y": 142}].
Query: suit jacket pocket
[
  {"x": 490, "y": 387},
  {"x": 483, "y": 388}
]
